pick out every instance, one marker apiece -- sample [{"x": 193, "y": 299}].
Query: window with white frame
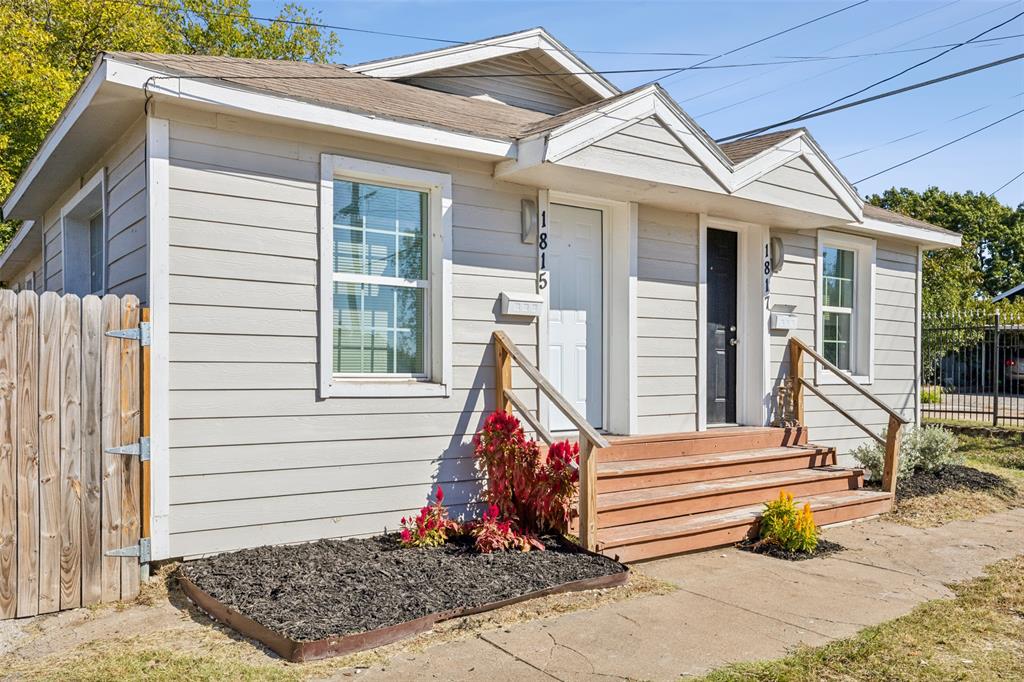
[
  {"x": 385, "y": 294},
  {"x": 846, "y": 265},
  {"x": 83, "y": 227}
]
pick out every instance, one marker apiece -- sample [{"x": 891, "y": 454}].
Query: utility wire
[
  {"x": 829, "y": 49},
  {"x": 846, "y": 66},
  {"x": 409, "y": 36},
  {"x": 764, "y": 39},
  {"x": 1007, "y": 183},
  {"x": 942, "y": 146},
  {"x": 919, "y": 64},
  {"x": 882, "y": 95},
  {"x": 923, "y": 130}
]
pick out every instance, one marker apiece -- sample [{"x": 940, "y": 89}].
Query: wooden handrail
[
  {"x": 505, "y": 351},
  {"x": 848, "y": 379},
  {"x": 891, "y": 441}
]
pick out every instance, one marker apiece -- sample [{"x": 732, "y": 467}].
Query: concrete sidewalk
[{"x": 731, "y": 606}]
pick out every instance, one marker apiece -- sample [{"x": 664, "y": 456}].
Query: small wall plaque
[{"x": 521, "y": 305}]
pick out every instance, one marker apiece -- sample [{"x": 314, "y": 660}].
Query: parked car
[{"x": 1014, "y": 372}]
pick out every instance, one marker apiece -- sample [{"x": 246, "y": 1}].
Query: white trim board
[
  {"x": 438, "y": 308},
  {"x": 753, "y": 354},
  {"x": 98, "y": 182},
  {"x": 158, "y": 211}
]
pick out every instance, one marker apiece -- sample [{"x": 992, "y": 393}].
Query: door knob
[{"x": 733, "y": 342}]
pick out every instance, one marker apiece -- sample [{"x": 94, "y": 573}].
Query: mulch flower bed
[
  {"x": 338, "y": 588},
  {"x": 952, "y": 477},
  {"x": 824, "y": 548}
]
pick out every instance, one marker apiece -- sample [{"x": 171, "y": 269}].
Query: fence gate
[
  {"x": 972, "y": 367},
  {"x": 70, "y": 451}
]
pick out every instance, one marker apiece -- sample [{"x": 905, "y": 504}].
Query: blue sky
[{"x": 982, "y": 162}]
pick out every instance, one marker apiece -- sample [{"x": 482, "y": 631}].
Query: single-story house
[{"x": 328, "y": 251}]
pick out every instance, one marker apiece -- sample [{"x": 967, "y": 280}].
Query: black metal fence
[{"x": 972, "y": 367}]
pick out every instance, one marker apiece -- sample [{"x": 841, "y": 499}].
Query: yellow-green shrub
[{"x": 790, "y": 528}]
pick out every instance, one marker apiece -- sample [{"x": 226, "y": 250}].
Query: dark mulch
[
  {"x": 824, "y": 548},
  {"x": 952, "y": 477},
  {"x": 340, "y": 587}
]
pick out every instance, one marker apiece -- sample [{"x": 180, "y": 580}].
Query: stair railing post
[
  {"x": 502, "y": 376},
  {"x": 588, "y": 494},
  {"x": 892, "y": 455},
  {"x": 796, "y": 374}
]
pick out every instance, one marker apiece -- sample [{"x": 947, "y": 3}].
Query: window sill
[
  {"x": 384, "y": 388},
  {"x": 827, "y": 377}
]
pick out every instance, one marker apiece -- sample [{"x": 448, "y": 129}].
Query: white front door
[{"x": 575, "y": 325}]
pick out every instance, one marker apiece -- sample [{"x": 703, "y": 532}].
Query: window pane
[
  {"x": 835, "y": 336},
  {"x": 378, "y": 329},
  {"x": 96, "y": 252},
  {"x": 379, "y": 230},
  {"x": 837, "y": 267}
]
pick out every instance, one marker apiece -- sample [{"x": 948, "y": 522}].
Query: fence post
[{"x": 995, "y": 372}]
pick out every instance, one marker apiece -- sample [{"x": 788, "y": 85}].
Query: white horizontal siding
[
  {"x": 895, "y": 339},
  {"x": 666, "y": 321},
  {"x": 256, "y": 456},
  {"x": 535, "y": 92}
]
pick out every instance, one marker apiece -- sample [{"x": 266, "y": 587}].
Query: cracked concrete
[{"x": 731, "y": 606}]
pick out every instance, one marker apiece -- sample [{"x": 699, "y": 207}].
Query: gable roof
[
  {"x": 1008, "y": 293},
  {"x": 335, "y": 86},
  {"x": 885, "y": 215},
  {"x": 530, "y": 40}
]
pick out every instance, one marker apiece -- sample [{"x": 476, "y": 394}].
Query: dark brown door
[{"x": 721, "y": 374}]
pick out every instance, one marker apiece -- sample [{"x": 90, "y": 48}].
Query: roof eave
[{"x": 931, "y": 239}]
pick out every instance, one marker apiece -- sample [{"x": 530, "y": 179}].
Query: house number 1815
[{"x": 542, "y": 246}]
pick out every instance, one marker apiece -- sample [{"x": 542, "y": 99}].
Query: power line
[
  {"x": 923, "y": 130},
  {"x": 846, "y": 66},
  {"x": 766, "y": 38},
  {"x": 919, "y": 64},
  {"x": 1007, "y": 183},
  {"x": 833, "y": 47},
  {"x": 942, "y": 146},
  {"x": 890, "y": 93}
]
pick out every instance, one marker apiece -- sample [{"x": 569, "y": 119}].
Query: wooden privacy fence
[{"x": 69, "y": 393}]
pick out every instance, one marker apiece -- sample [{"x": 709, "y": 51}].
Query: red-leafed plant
[
  {"x": 535, "y": 495},
  {"x": 431, "y": 527},
  {"x": 491, "y": 534}
]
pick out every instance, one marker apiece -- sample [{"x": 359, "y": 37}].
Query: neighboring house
[
  {"x": 327, "y": 251},
  {"x": 1011, "y": 294}
]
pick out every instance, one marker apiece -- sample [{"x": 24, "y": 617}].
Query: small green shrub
[
  {"x": 790, "y": 528},
  {"x": 931, "y": 395},
  {"x": 928, "y": 448}
]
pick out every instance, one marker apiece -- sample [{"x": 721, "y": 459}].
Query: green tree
[
  {"x": 991, "y": 259},
  {"x": 48, "y": 46}
]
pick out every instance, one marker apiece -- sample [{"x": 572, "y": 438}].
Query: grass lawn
[
  {"x": 1001, "y": 455},
  {"x": 979, "y": 635}
]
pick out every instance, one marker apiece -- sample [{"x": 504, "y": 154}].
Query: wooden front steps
[{"x": 660, "y": 495}]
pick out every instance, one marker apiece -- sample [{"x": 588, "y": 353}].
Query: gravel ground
[{"x": 312, "y": 591}]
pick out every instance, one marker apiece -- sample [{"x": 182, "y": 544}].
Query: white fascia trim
[
  {"x": 439, "y": 307},
  {"x": 19, "y": 237},
  {"x": 458, "y": 55},
  {"x": 206, "y": 92},
  {"x": 158, "y": 203},
  {"x": 72, "y": 112},
  {"x": 599, "y": 124},
  {"x": 580, "y": 133},
  {"x": 927, "y": 238}
]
